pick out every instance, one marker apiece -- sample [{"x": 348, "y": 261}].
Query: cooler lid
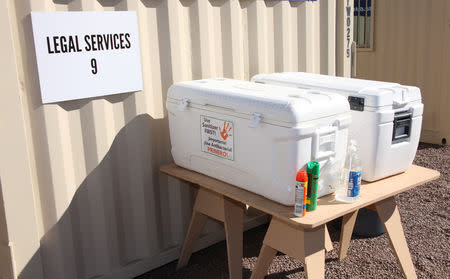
[
  {"x": 374, "y": 93},
  {"x": 275, "y": 103}
]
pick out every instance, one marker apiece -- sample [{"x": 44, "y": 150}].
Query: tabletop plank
[{"x": 327, "y": 207}]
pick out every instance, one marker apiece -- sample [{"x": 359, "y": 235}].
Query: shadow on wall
[{"x": 108, "y": 225}]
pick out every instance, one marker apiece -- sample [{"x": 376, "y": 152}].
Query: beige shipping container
[
  {"x": 80, "y": 191},
  {"x": 411, "y": 45}
]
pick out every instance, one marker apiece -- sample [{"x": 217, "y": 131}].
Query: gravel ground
[{"x": 425, "y": 213}]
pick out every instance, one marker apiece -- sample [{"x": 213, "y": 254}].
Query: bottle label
[
  {"x": 299, "y": 195},
  {"x": 354, "y": 183},
  {"x": 299, "y": 191}
]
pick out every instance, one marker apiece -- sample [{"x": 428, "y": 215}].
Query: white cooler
[
  {"x": 257, "y": 136},
  {"x": 386, "y": 118}
]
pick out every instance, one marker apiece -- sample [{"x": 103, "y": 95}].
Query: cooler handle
[
  {"x": 403, "y": 101},
  {"x": 324, "y": 135}
]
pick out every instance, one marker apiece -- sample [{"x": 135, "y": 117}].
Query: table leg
[
  {"x": 328, "y": 242},
  {"x": 315, "y": 252},
  {"x": 294, "y": 241},
  {"x": 265, "y": 257},
  {"x": 389, "y": 215},
  {"x": 234, "y": 228},
  {"x": 348, "y": 223},
  {"x": 198, "y": 221},
  {"x": 231, "y": 213}
]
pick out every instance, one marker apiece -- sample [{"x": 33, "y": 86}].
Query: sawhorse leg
[
  {"x": 348, "y": 223},
  {"x": 307, "y": 246},
  {"x": 231, "y": 213},
  {"x": 328, "y": 242},
  {"x": 389, "y": 215}
]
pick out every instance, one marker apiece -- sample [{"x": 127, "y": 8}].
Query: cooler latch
[
  {"x": 255, "y": 118},
  {"x": 402, "y": 126},
  {"x": 356, "y": 103},
  {"x": 184, "y": 103}
]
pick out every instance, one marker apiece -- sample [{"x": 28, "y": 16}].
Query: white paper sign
[
  {"x": 86, "y": 54},
  {"x": 217, "y": 137}
]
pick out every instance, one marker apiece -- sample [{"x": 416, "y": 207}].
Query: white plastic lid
[
  {"x": 277, "y": 103},
  {"x": 375, "y": 93}
]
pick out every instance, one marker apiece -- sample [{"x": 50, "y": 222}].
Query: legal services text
[{"x": 93, "y": 42}]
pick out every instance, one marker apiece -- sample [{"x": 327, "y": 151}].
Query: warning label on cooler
[{"x": 217, "y": 137}]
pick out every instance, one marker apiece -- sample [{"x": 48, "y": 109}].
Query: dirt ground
[{"x": 425, "y": 213}]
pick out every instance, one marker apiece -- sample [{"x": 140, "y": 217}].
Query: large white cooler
[
  {"x": 257, "y": 136},
  {"x": 386, "y": 118}
]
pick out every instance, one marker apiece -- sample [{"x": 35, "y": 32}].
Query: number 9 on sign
[{"x": 94, "y": 65}]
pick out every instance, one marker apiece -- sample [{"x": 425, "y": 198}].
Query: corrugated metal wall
[
  {"x": 82, "y": 194},
  {"x": 412, "y": 46}
]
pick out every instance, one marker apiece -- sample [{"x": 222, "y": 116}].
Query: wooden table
[{"x": 302, "y": 238}]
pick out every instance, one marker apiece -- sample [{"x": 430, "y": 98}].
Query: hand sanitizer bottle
[{"x": 348, "y": 191}]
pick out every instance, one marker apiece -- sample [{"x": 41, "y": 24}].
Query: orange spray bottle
[{"x": 301, "y": 187}]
